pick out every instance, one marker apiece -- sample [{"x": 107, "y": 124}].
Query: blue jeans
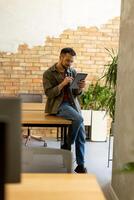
[{"x": 77, "y": 129}]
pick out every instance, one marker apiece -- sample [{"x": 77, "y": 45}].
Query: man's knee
[{"x": 79, "y": 119}]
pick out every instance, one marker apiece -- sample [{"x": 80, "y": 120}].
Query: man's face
[{"x": 66, "y": 60}]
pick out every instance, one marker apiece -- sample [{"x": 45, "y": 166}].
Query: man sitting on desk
[{"x": 62, "y": 101}]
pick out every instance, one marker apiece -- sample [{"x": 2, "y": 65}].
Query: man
[{"x": 62, "y": 101}]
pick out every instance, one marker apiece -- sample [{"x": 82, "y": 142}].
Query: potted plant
[
  {"x": 99, "y": 97},
  {"x": 94, "y": 100},
  {"x": 95, "y": 97},
  {"x": 110, "y": 76}
]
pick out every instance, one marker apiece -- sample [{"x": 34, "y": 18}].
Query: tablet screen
[{"x": 79, "y": 77}]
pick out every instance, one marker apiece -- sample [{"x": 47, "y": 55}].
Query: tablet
[{"x": 79, "y": 77}]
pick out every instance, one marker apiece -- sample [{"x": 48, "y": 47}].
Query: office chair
[
  {"x": 46, "y": 160},
  {"x": 31, "y": 98}
]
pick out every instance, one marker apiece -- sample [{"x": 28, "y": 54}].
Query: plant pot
[
  {"x": 99, "y": 126},
  {"x": 86, "y": 114}
]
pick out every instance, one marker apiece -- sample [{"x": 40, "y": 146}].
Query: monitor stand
[{"x": 2, "y": 159}]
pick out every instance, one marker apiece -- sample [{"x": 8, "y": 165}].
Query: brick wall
[{"x": 22, "y": 71}]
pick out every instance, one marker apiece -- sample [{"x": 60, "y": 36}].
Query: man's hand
[
  {"x": 67, "y": 80},
  {"x": 81, "y": 84}
]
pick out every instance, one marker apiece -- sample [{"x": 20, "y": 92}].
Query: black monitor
[{"x": 10, "y": 136}]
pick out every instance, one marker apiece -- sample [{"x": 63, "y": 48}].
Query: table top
[
  {"x": 55, "y": 187},
  {"x": 36, "y": 117},
  {"x": 33, "y": 113}
]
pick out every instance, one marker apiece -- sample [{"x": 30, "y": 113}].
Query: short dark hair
[{"x": 68, "y": 50}]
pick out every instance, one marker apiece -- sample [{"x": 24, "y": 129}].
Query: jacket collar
[{"x": 53, "y": 68}]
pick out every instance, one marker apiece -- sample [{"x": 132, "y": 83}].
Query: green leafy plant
[
  {"x": 110, "y": 71},
  {"x": 110, "y": 76},
  {"x": 95, "y": 97},
  {"x": 98, "y": 96}
]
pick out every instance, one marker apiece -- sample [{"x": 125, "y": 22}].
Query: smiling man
[{"x": 62, "y": 101}]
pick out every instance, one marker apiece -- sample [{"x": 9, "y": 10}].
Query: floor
[{"x": 95, "y": 161}]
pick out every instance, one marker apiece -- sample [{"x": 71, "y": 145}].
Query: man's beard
[{"x": 65, "y": 67}]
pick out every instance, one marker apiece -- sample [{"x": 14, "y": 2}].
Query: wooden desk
[
  {"x": 40, "y": 119},
  {"x": 35, "y": 118},
  {"x": 37, "y": 107},
  {"x": 55, "y": 187}
]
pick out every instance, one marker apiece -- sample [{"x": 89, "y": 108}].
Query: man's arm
[{"x": 51, "y": 91}]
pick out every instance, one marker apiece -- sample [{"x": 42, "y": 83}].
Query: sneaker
[
  {"x": 66, "y": 146},
  {"x": 80, "y": 169}
]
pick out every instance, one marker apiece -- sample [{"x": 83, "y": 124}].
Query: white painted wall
[{"x": 30, "y": 21}]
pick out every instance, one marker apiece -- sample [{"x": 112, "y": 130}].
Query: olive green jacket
[{"x": 51, "y": 79}]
